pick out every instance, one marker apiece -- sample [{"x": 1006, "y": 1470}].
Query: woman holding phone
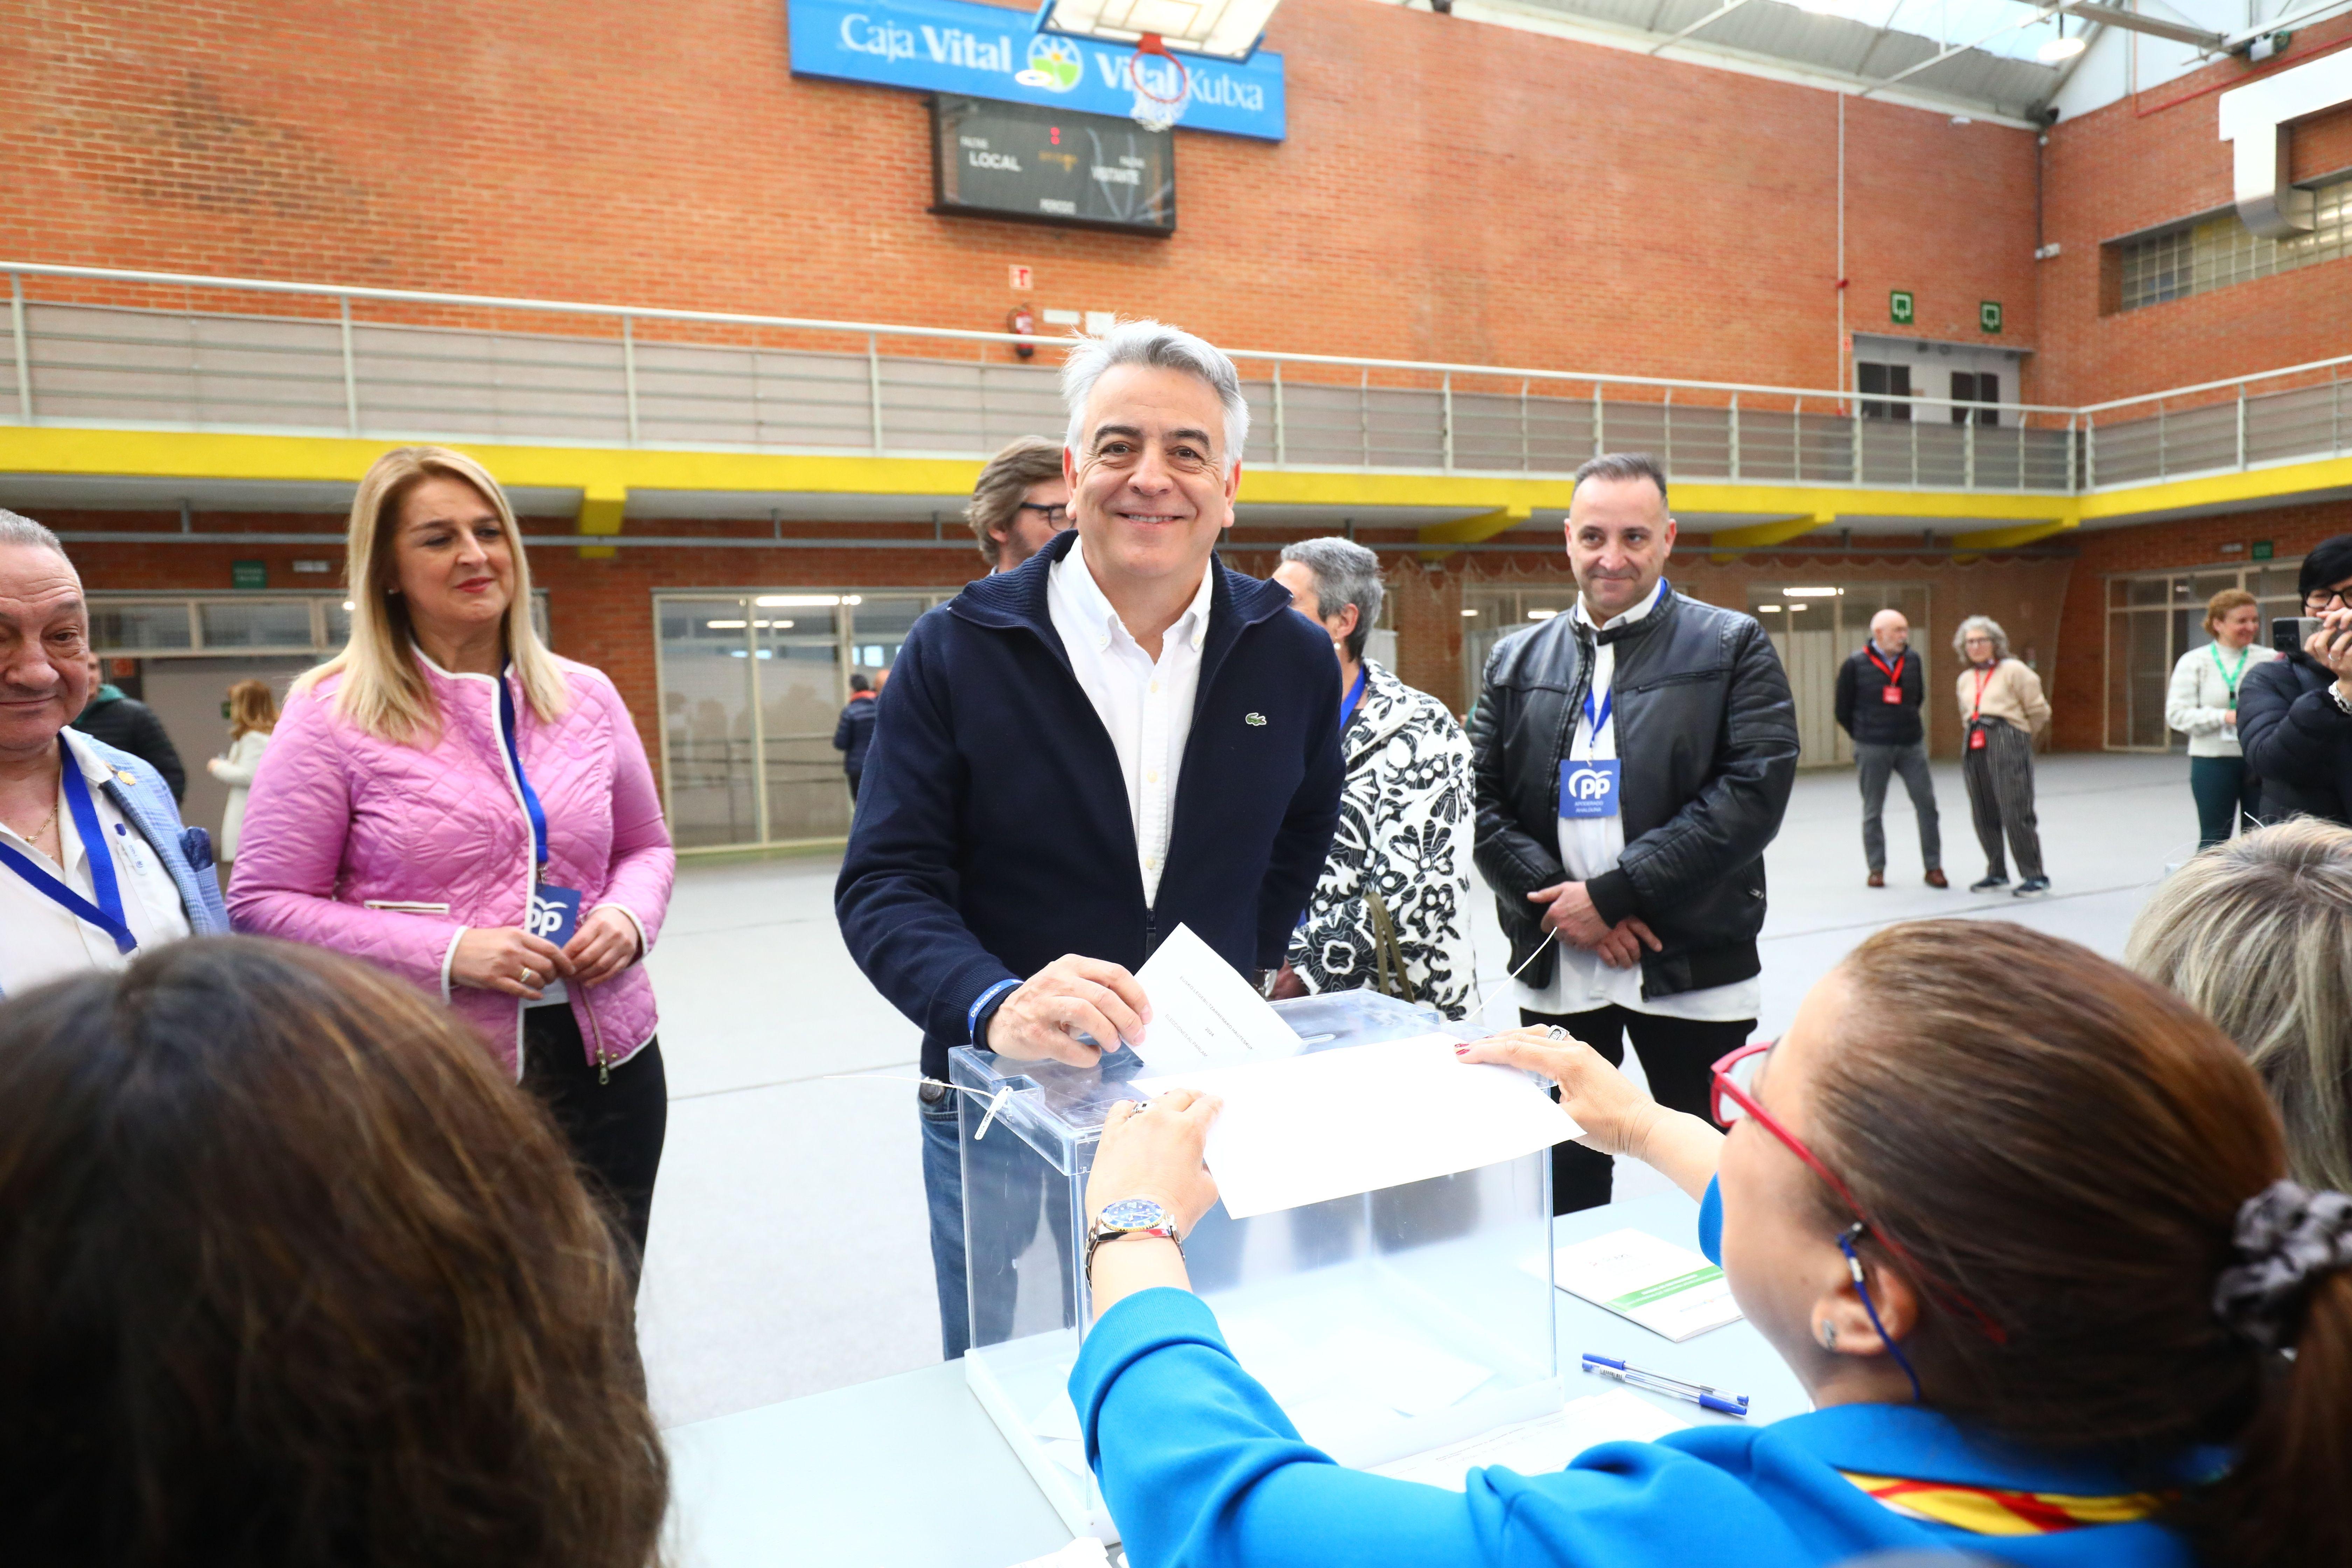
[{"x": 453, "y": 802}]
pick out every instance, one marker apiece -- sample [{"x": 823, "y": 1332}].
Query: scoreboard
[{"x": 994, "y": 159}]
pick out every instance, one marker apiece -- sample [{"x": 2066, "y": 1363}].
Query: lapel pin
[
  {"x": 126, "y": 776},
  {"x": 1255, "y": 719}
]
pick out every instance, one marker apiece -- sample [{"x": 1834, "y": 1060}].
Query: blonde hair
[
  {"x": 384, "y": 690},
  {"x": 2257, "y": 932},
  {"x": 2223, "y": 603},
  {"x": 251, "y": 710}
]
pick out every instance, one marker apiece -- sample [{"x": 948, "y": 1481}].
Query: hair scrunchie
[{"x": 2287, "y": 1237}]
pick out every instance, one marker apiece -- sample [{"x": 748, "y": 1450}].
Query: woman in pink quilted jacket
[{"x": 451, "y": 802}]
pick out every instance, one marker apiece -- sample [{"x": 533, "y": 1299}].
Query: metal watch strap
[{"x": 1097, "y": 1239}]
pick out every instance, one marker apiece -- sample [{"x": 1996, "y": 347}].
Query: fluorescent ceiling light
[
  {"x": 2057, "y": 49},
  {"x": 1767, "y": 609},
  {"x": 1541, "y": 614},
  {"x": 1469, "y": 612},
  {"x": 794, "y": 601},
  {"x": 1812, "y": 592}
]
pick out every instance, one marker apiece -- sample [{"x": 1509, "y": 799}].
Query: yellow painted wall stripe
[{"x": 604, "y": 471}]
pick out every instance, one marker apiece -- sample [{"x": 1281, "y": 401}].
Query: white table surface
[{"x": 909, "y": 1470}]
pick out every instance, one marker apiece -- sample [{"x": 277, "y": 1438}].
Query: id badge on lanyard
[
  {"x": 1588, "y": 785},
  {"x": 555, "y": 911},
  {"x": 106, "y": 914},
  {"x": 1892, "y": 693},
  {"x": 1975, "y": 716}
]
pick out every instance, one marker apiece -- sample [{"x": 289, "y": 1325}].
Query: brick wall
[
  {"x": 2083, "y": 635},
  {"x": 1449, "y": 190},
  {"x": 2156, "y": 159}
]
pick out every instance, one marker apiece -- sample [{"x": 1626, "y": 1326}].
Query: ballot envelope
[{"x": 1386, "y": 1323}]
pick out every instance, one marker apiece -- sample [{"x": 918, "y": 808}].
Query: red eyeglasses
[{"x": 1733, "y": 1096}]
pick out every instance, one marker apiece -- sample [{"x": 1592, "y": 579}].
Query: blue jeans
[{"x": 943, "y": 1190}]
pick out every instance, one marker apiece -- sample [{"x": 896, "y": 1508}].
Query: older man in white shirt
[
  {"x": 1118, "y": 737},
  {"x": 94, "y": 862}
]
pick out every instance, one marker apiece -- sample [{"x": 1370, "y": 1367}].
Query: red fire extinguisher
[{"x": 1019, "y": 320}]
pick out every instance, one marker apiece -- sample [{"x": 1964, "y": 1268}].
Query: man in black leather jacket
[
  {"x": 1632, "y": 824},
  {"x": 2294, "y": 714}
]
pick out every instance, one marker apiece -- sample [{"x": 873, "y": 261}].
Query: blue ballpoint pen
[{"x": 1698, "y": 1393}]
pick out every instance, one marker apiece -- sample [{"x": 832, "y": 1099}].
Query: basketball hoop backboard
[{"x": 1221, "y": 29}]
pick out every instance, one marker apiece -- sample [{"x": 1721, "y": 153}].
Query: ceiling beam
[
  {"x": 2141, "y": 22},
  {"x": 1759, "y": 535},
  {"x": 2039, "y": 16},
  {"x": 1717, "y": 15}
]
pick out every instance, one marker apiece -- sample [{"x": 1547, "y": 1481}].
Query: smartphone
[{"x": 2289, "y": 633}]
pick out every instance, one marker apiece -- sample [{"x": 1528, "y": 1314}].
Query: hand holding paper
[{"x": 1306, "y": 1128}]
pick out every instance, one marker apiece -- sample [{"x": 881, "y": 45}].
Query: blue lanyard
[
  {"x": 531, "y": 805},
  {"x": 107, "y": 913},
  {"x": 1600, "y": 718},
  {"x": 1354, "y": 695}
]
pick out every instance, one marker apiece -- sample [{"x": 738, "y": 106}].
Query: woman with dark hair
[
  {"x": 2294, "y": 714},
  {"x": 290, "y": 1277},
  {"x": 2017, "y": 1219}
]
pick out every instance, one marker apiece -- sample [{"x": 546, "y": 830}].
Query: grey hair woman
[
  {"x": 2001, "y": 706},
  {"x": 2257, "y": 932},
  {"x": 1389, "y": 913}
]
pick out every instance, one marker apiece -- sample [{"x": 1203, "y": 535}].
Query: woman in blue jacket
[{"x": 2017, "y": 1220}]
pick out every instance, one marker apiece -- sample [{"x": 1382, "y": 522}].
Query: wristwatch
[{"x": 1130, "y": 1216}]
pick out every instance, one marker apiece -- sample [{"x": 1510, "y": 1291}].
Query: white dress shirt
[
  {"x": 1588, "y": 845},
  {"x": 1145, "y": 704},
  {"x": 45, "y": 941}
]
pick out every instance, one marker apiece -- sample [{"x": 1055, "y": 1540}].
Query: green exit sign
[
  {"x": 2262, "y": 550},
  {"x": 248, "y": 574},
  {"x": 1989, "y": 315},
  {"x": 1899, "y": 309}
]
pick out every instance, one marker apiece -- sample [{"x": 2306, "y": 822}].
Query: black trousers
[
  {"x": 1676, "y": 1055},
  {"x": 615, "y": 1128}
]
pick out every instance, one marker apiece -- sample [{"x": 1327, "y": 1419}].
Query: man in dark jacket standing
[
  {"x": 1074, "y": 758},
  {"x": 855, "y": 731},
  {"x": 129, "y": 725},
  {"x": 1879, "y": 690},
  {"x": 2294, "y": 714},
  {"x": 1631, "y": 759}
]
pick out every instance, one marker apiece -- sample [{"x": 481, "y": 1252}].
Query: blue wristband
[{"x": 971, "y": 1018}]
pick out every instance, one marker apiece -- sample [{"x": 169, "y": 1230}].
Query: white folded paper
[
  {"x": 1305, "y": 1129},
  {"x": 1668, "y": 1289},
  {"x": 1202, "y": 1010},
  {"x": 1540, "y": 1447}
]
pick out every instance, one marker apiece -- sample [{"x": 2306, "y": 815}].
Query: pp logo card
[
  {"x": 554, "y": 913},
  {"x": 1588, "y": 788}
]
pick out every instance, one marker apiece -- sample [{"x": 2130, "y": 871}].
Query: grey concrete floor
[{"x": 789, "y": 1251}]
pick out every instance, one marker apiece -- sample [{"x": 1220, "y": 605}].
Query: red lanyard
[
  {"x": 1982, "y": 677},
  {"x": 1894, "y": 676}
]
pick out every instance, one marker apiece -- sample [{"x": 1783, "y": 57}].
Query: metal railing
[{"x": 91, "y": 346}]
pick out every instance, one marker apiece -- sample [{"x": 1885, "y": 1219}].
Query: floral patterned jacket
[{"x": 1405, "y": 820}]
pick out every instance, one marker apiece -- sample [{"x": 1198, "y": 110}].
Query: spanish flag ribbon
[{"x": 2001, "y": 1510}]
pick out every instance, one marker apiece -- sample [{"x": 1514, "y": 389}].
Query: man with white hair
[
  {"x": 94, "y": 864},
  {"x": 1879, "y": 690},
  {"x": 1115, "y": 738}
]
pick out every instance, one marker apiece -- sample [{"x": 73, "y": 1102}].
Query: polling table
[{"x": 910, "y": 1472}]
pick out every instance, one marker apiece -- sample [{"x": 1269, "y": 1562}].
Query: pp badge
[
  {"x": 1588, "y": 788},
  {"x": 554, "y": 913}
]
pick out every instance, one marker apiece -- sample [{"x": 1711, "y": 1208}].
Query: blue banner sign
[{"x": 954, "y": 46}]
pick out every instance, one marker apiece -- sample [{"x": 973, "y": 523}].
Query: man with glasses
[
  {"x": 1020, "y": 502},
  {"x": 2294, "y": 714}
]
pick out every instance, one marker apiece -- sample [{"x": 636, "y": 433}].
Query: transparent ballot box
[{"x": 1386, "y": 1323}]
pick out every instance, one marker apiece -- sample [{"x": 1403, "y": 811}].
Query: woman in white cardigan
[
  {"x": 2203, "y": 705},
  {"x": 252, "y": 715}
]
